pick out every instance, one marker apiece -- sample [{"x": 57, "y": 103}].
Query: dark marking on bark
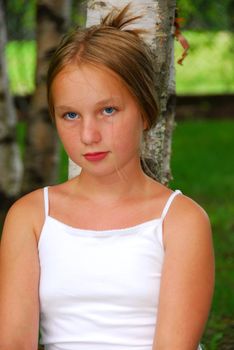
[
  {"x": 7, "y": 140},
  {"x": 101, "y": 3}
]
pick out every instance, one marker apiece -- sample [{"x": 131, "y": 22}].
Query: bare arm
[
  {"x": 187, "y": 277},
  {"x": 19, "y": 278}
]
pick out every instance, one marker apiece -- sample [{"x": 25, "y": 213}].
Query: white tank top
[{"x": 99, "y": 290}]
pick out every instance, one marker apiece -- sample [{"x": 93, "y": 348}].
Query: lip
[{"x": 95, "y": 156}]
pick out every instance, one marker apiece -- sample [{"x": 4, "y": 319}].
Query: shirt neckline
[{"x": 93, "y": 232}]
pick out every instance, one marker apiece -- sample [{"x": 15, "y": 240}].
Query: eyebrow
[{"x": 99, "y": 103}]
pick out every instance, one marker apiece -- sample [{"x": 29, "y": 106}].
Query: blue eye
[
  {"x": 71, "y": 116},
  {"x": 109, "y": 111}
]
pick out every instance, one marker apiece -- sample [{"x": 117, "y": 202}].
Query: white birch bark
[
  {"x": 158, "y": 19},
  {"x": 10, "y": 160}
]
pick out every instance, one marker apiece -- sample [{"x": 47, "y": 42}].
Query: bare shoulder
[
  {"x": 186, "y": 220},
  {"x": 187, "y": 209},
  {"x": 27, "y": 212}
]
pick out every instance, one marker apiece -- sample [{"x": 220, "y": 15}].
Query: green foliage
[
  {"x": 208, "y": 68},
  {"x": 207, "y": 14},
  {"x": 203, "y": 169},
  {"x": 21, "y": 17},
  {"x": 21, "y": 59}
]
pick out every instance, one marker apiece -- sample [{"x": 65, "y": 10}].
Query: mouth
[{"x": 95, "y": 156}]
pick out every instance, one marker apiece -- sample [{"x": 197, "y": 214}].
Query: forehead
[{"x": 88, "y": 80}]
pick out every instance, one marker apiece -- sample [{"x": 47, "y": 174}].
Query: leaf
[{"x": 179, "y": 36}]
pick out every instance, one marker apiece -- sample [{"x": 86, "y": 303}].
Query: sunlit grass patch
[
  {"x": 21, "y": 61},
  {"x": 209, "y": 66}
]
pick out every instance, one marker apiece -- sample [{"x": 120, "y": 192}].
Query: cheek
[
  {"x": 69, "y": 139},
  {"x": 126, "y": 137}
]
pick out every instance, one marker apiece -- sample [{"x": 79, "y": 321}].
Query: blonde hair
[{"x": 112, "y": 45}]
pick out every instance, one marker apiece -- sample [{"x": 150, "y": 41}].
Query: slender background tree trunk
[
  {"x": 158, "y": 19},
  {"x": 10, "y": 161},
  {"x": 42, "y": 151}
]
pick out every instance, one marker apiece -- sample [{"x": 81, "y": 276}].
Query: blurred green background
[{"x": 202, "y": 149}]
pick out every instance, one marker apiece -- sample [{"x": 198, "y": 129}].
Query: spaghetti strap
[
  {"x": 46, "y": 201},
  {"x": 168, "y": 203}
]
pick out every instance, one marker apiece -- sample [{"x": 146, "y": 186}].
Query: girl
[{"x": 111, "y": 259}]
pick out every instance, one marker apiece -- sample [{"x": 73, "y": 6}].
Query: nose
[{"x": 90, "y": 131}]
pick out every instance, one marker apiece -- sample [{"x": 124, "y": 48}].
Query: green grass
[
  {"x": 203, "y": 168},
  {"x": 209, "y": 66}
]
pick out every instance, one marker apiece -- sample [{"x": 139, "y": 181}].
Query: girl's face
[{"x": 98, "y": 120}]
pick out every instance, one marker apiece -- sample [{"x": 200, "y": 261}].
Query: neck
[{"x": 110, "y": 188}]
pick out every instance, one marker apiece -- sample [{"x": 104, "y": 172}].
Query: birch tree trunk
[
  {"x": 42, "y": 148},
  {"x": 158, "y": 19},
  {"x": 10, "y": 160}
]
